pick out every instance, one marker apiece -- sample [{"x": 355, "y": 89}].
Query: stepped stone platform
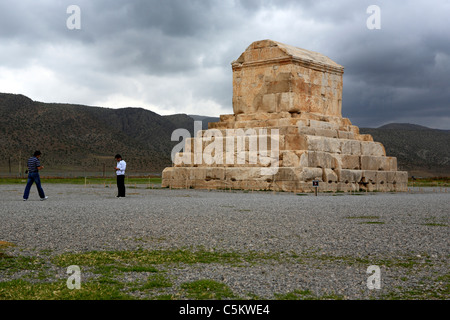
[{"x": 287, "y": 130}]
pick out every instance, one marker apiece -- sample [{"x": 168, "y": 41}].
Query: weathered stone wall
[{"x": 270, "y": 78}]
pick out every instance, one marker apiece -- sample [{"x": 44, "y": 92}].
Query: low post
[{"x": 316, "y": 186}]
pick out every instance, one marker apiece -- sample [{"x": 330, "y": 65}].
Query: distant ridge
[
  {"x": 405, "y": 126},
  {"x": 77, "y": 138},
  {"x": 204, "y": 119},
  {"x": 420, "y": 150}
]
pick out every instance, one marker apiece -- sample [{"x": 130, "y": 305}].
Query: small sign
[{"x": 315, "y": 183}]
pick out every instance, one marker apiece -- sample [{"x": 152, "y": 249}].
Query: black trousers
[{"x": 121, "y": 185}]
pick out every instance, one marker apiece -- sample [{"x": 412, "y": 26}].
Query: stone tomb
[{"x": 286, "y": 131}]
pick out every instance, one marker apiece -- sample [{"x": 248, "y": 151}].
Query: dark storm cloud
[
  {"x": 400, "y": 72},
  {"x": 170, "y": 54}
]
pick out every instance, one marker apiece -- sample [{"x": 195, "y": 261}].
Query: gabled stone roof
[{"x": 265, "y": 51}]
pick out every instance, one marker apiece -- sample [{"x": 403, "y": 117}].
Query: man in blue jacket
[{"x": 34, "y": 165}]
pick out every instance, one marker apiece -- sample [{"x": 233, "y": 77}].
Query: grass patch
[
  {"x": 362, "y": 217},
  {"x": 432, "y": 224},
  {"x": 24, "y": 290},
  {"x": 154, "y": 281},
  {"x": 372, "y": 222},
  {"x": 157, "y": 281},
  {"x": 206, "y": 290},
  {"x": 429, "y": 182},
  {"x": 306, "y": 295},
  {"x": 11, "y": 265},
  {"x": 147, "y": 258}
]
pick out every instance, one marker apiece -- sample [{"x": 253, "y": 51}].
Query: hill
[
  {"x": 77, "y": 138},
  {"x": 204, "y": 119},
  {"x": 419, "y": 150}
]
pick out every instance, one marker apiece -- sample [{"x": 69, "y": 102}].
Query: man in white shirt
[{"x": 120, "y": 172}]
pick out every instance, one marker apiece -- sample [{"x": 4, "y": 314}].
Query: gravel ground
[{"x": 328, "y": 231}]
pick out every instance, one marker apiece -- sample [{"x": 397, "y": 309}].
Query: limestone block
[
  {"x": 294, "y": 142},
  {"x": 390, "y": 180},
  {"x": 372, "y": 149},
  {"x": 198, "y": 173},
  {"x": 290, "y": 159},
  {"x": 319, "y": 159},
  {"x": 364, "y": 137},
  {"x": 323, "y": 125},
  {"x": 327, "y": 186},
  {"x": 307, "y": 131},
  {"x": 392, "y": 163},
  {"x": 315, "y": 143},
  {"x": 215, "y": 173},
  {"x": 309, "y": 174},
  {"x": 288, "y": 130},
  {"x": 285, "y": 174},
  {"x": 329, "y": 175},
  {"x": 346, "y": 175},
  {"x": 221, "y": 125},
  {"x": 369, "y": 176},
  {"x": 265, "y": 116},
  {"x": 243, "y": 173},
  {"x": 178, "y": 173},
  {"x": 350, "y": 147},
  {"x": 208, "y": 172},
  {"x": 345, "y": 187},
  {"x": 183, "y": 159},
  {"x": 300, "y": 123},
  {"x": 244, "y": 117},
  {"x": 285, "y": 185},
  {"x": 286, "y": 122},
  {"x": 354, "y": 130},
  {"x": 318, "y": 143},
  {"x": 349, "y": 161},
  {"x": 303, "y": 158},
  {"x": 401, "y": 178},
  {"x": 345, "y": 134},
  {"x": 269, "y": 103},
  {"x": 227, "y": 117},
  {"x": 225, "y": 159},
  {"x": 167, "y": 174},
  {"x": 177, "y": 184},
  {"x": 345, "y": 122},
  {"x": 381, "y": 177},
  {"x": 284, "y": 115},
  {"x": 329, "y": 133},
  {"x": 332, "y": 145},
  {"x": 254, "y": 185},
  {"x": 375, "y": 163},
  {"x": 286, "y": 102},
  {"x": 254, "y": 158}
]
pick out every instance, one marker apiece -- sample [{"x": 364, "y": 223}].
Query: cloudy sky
[{"x": 174, "y": 56}]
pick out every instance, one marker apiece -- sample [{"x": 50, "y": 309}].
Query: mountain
[
  {"x": 419, "y": 150},
  {"x": 404, "y": 126},
  {"x": 204, "y": 119},
  {"x": 83, "y": 138}
]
